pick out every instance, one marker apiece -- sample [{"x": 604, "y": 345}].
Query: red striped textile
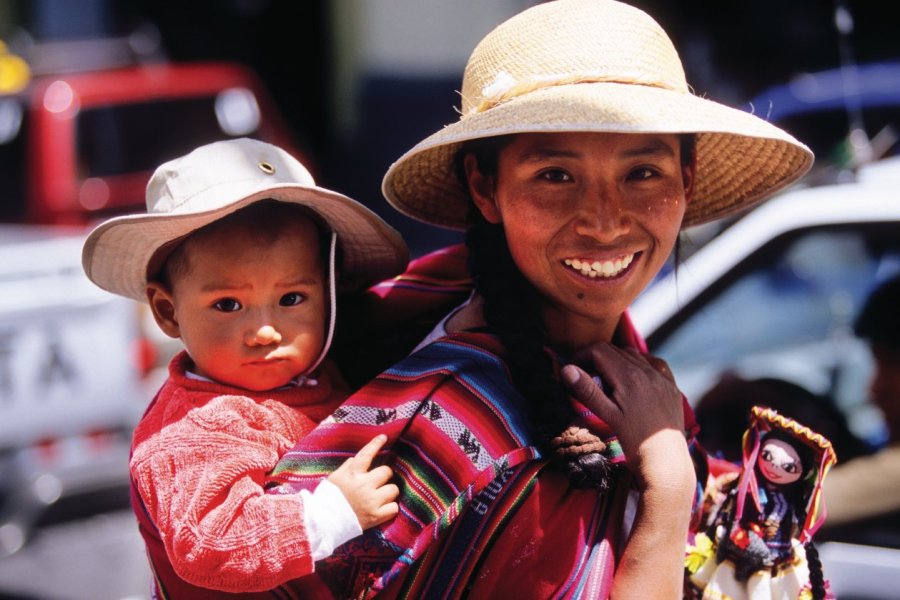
[{"x": 460, "y": 448}]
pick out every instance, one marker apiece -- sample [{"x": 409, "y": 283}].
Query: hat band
[{"x": 504, "y": 88}]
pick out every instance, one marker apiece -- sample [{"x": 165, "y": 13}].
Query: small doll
[{"x": 758, "y": 540}]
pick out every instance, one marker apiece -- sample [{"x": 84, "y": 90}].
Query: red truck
[
  {"x": 77, "y": 364},
  {"x": 75, "y": 148}
]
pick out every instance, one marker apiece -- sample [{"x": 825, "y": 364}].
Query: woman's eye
[
  {"x": 291, "y": 299},
  {"x": 227, "y": 305},
  {"x": 556, "y": 175},
  {"x": 790, "y": 468},
  {"x": 641, "y": 174},
  {"x": 767, "y": 456}
]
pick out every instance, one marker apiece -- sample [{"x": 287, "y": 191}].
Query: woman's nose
[
  {"x": 602, "y": 214},
  {"x": 263, "y": 336}
]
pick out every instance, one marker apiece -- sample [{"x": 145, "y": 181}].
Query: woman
[{"x": 579, "y": 155}]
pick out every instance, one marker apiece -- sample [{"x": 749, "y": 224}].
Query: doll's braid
[{"x": 816, "y": 576}]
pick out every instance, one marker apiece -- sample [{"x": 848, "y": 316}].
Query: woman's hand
[{"x": 640, "y": 402}]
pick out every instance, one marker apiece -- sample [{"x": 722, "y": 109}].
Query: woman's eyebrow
[
  {"x": 547, "y": 152},
  {"x": 651, "y": 148}
]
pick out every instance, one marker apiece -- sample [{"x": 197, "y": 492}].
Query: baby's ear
[{"x": 163, "y": 307}]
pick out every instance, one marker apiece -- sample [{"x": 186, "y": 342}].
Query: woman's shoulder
[
  {"x": 456, "y": 353},
  {"x": 461, "y": 373},
  {"x": 482, "y": 341}
]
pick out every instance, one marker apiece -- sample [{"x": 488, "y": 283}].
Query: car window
[
  {"x": 788, "y": 312},
  {"x": 807, "y": 293},
  {"x": 134, "y": 130}
]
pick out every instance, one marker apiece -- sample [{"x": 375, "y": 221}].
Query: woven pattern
[
  {"x": 594, "y": 66},
  {"x": 456, "y": 437}
]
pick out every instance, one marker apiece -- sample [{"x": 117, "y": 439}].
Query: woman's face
[{"x": 590, "y": 218}]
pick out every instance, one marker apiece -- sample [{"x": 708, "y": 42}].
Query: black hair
[
  {"x": 879, "y": 319},
  {"x": 511, "y": 308}
]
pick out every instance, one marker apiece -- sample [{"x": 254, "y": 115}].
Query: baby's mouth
[{"x": 604, "y": 269}]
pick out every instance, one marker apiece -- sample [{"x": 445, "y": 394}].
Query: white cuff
[{"x": 328, "y": 519}]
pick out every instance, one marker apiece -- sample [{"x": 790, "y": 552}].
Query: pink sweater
[{"x": 200, "y": 456}]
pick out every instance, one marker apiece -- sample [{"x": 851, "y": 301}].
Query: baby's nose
[{"x": 265, "y": 335}]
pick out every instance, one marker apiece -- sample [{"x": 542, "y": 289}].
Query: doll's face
[{"x": 779, "y": 462}]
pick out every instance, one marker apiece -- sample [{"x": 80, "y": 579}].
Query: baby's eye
[
  {"x": 790, "y": 467},
  {"x": 556, "y": 175},
  {"x": 227, "y": 305},
  {"x": 766, "y": 456},
  {"x": 291, "y": 299}
]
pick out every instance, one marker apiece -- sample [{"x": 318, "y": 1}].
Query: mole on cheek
[{"x": 580, "y": 296}]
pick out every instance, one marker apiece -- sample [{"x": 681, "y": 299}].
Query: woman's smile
[
  {"x": 600, "y": 268},
  {"x": 589, "y": 220}
]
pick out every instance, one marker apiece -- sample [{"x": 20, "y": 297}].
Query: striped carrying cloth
[{"x": 468, "y": 472}]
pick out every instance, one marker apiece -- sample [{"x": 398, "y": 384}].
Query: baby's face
[
  {"x": 252, "y": 313},
  {"x": 779, "y": 462}
]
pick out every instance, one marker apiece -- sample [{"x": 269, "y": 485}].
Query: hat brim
[
  {"x": 741, "y": 159},
  {"x": 117, "y": 252}
]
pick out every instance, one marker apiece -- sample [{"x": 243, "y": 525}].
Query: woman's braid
[{"x": 510, "y": 309}]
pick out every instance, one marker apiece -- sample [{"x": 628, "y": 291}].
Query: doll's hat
[
  {"x": 217, "y": 179},
  {"x": 764, "y": 420},
  {"x": 593, "y": 66}
]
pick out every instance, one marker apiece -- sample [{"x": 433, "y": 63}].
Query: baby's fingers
[
  {"x": 380, "y": 475},
  {"x": 363, "y": 459},
  {"x": 385, "y": 513},
  {"x": 388, "y": 493}
]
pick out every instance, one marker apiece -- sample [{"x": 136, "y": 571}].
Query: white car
[
  {"x": 70, "y": 387},
  {"x": 775, "y": 295}
]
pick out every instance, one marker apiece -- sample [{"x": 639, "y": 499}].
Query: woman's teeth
[{"x": 600, "y": 268}]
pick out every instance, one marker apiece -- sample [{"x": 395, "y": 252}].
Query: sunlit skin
[
  {"x": 250, "y": 311},
  {"x": 570, "y": 202},
  {"x": 779, "y": 462}
]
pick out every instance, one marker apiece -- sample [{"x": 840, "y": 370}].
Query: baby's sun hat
[{"x": 216, "y": 180}]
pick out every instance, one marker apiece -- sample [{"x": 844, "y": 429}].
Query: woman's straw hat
[
  {"x": 593, "y": 66},
  {"x": 215, "y": 180}
]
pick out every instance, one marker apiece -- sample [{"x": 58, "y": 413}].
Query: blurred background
[
  {"x": 359, "y": 82},
  {"x": 94, "y": 94}
]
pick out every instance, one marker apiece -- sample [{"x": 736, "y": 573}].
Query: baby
[{"x": 240, "y": 256}]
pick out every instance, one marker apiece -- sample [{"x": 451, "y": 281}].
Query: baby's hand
[{"x": 371, "y": 497}]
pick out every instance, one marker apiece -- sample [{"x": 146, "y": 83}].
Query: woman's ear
[
  {"x": 687, "y": 175},
  {"x": 481, "y": 188},
  {"x": 163, "y": 307}
]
